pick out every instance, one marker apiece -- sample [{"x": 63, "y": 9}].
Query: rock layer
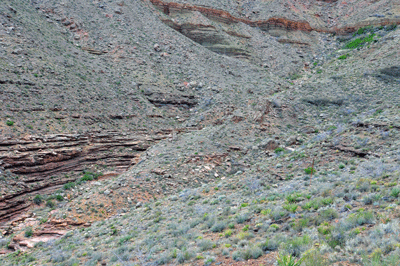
[{"x": 42, "y": 164}]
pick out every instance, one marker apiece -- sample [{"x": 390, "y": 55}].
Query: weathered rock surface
[{"x": 43, "y": 163}]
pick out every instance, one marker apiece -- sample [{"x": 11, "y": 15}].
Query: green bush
[
  {"x": 360, "y": 41},
  {"x": 59, "y": 197},
  {"x": 395, "y": 192},
  {"x": 291, "y": 207},
  {"x": 297, "y": 245},
  {"x": 50, "y": 203},
  {"x": 317, "y": 203},
  {"x": 314, "y": 257},
  {"x": 270, "y": 244},
  {"x": 218, "y": 227},
  {"x": 38, "y": 199},
  {"x": 309, "y": 170},
  {"x": 360, "y": 218},
  {"x": 342, "y": 57},
  {"x": 253, "y": 252},
  {"x": 10, "y": 123},
  {"x": 288, "y": 261},
  {"x": 69, "y": 185},
  {"x": 89, "y": 176},
  {"x": 28, "y": 232}
]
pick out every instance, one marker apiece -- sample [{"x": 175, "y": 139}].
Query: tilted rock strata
[{"x": 44, "y": 161}]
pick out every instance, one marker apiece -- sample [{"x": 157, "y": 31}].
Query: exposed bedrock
[{"x": 44, "y": 163}]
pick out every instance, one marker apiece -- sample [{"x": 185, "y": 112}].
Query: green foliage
[
  {"x": 252, "y": 253},
  {"x": 360, "y": 218},
  {"x": 69, "y": 185},
  {"x": 317, "y": 203},
  {"x": 293, "y": 197},
  {"x": 266, "y": 212},
  {"x": 59, "y": 197},
  {"x": 395, "y": 192},
  {"x": 291, "y": 207},
  {"x": 325, "y": 228},
  {"x": 288, "y": 260},
  {"x": 297, "y": 245},
  {"x": 50, "y": 203},
  {"x": 342, "y": 57},
  {"x": 309, "y": 170},
  {"x": 89, "y": 176},
  {"x": 38, "y": 199},
  {"x": 360, "y": 41},
  {"x": 313, "y": 257},
  {"x": 218, "y": 227},
  {"x": 361, "y": 31},
  {"x": 9, "y": 123},
  {"x": 228, "y": 233},
  {"x": 279, "y": 150},
  {"x": 28, "y": 232},
  {"x": 300, "y": 224}
]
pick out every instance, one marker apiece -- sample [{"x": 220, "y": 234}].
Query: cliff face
[
  {"x": 224, "y": 27},
  {"x": 75, "y": 95}
]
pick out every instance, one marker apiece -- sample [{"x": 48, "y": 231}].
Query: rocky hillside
[{"x": 199, "y": 132}]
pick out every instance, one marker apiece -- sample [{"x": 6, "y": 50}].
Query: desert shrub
[
  {"x": 317, "y": 203},
  {"x": 270, "y": 244},
  {"x": 59, "y": 256},
  {"x": 50, "y": 203},
  {"x": 314, "y": 257},
  {"x": 28, "y": 232},
  {"x": 243, "y": 217},
  {"x": 69, "y": 185},
  {"x": 292, "y": 198},
  {"x": 338, "y": 236},
  {"x": 395, "y": 192},
  {"x": 287, "y": 260},
  {"x": 89, "y": 176},
  {"x": 309, "y": 170},
  {"x": 360, "y": 218},
  {"x": 184, "y": 255},
  {"x": 59, "y": 197},
  {"x": 38, "y": 199},
  {"x": 278, "y": 213},
  {"x": 218, "y": 227},
  {"x": 253, "y": 252},
  {"x": 3, "y": 242},
  {"x": 291, "y": 207},
  {"x": 327, "y": 214},
  {"x": 228, "y": 233},
  {"x": 164, "y": 258},
  {"x": 297, "y": 245},
  {"x": 245, "y": 235},
  {"x": 300, "y": 224},
  {"x": 205, "y": 244}
]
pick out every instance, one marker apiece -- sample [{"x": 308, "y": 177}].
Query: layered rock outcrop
[{"x": 42, "y": 164}]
